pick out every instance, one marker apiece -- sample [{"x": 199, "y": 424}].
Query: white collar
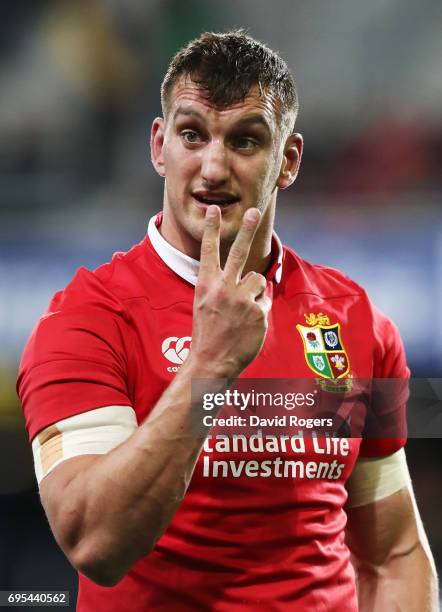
[{"x": 186, "y": 266}]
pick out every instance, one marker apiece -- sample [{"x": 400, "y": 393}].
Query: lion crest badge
[{"x": 324, "y": 350}]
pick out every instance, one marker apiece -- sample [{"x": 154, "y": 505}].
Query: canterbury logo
[{"x": 175, "y": 349}]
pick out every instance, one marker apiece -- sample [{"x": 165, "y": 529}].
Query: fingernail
[{"x": 211, "y": 212}]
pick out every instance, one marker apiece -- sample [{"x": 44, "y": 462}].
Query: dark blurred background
[{"x": 79, "y": 87}]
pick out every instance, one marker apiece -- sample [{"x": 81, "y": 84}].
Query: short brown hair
[{"x": 227, "y": 65}]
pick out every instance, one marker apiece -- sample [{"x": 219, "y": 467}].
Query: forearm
[
  {"x": 112, "y": 512},
  {"x": 405, "y": 582}
]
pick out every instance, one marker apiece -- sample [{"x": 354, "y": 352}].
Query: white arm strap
[
  {"x": 95, "y": 432},
  {"x": 374, "y": 479}
]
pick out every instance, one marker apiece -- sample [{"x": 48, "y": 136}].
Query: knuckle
[
  {"x": 261, "y": 282},
  {"x": 207, "y": 248},
  {"x": 256, "y": 283},
  {"x": 257, "y": 317},
  {"x": 222, "y": 293},
  {"x": 240, "y": 300},
  {"x": 244, "y": 301},
  {"x": 201, "y": 288},
  {"x": 237, "y": 253}
]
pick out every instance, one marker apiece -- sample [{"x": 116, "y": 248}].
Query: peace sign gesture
[{"x": 230, "y": 312}]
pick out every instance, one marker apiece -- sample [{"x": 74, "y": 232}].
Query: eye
[
  {"x": 246, "y": 143},
  {"x": 190, "y": 136}
]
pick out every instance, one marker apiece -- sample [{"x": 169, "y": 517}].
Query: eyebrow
[
  {"x": 254, "y": 119},
  {"x": 188, "y": 112}
]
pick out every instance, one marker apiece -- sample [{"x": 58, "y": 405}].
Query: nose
[{"x": 215, "y": 164}]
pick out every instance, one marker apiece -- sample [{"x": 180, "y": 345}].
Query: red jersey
[{"x": 259, "y": 538}]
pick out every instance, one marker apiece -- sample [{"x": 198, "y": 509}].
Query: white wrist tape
[
  {"x": 374, "y": 479},
  {"x": 95, "y": 432}
]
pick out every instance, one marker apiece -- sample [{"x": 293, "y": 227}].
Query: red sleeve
[
  {"x": 74, "y": 361},
  {"x": 389, "y": 362}
]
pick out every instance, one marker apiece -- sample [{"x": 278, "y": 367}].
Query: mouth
[{"x": 224, "y": 200}]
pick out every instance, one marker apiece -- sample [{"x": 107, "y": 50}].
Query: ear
[
  {"x": 156, "y": 145},
  {"x": 290, "y": 161}
]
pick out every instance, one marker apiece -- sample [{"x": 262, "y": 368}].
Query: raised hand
[{"x": 229, "y": 312}]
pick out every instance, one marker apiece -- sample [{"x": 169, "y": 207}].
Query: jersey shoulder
[
  {"x": 90, "y": 312},
  {"x": 303, "y": 276},
  {"x": 125, "y": 276}
]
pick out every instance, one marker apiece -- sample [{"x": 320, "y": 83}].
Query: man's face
[{"x": 231, "y": 157}]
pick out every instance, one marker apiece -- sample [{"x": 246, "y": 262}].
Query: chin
[{"x": 192, "y": 222}]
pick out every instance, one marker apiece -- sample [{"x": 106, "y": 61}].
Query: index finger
[
  {"x": 239, "y": 251},
  {"x": 209, "y": 259}
]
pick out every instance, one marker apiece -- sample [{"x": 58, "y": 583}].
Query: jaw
[{"x": 184, "y": 228}]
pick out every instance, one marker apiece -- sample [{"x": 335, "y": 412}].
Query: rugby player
[{"x": 210, "y": 293}]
